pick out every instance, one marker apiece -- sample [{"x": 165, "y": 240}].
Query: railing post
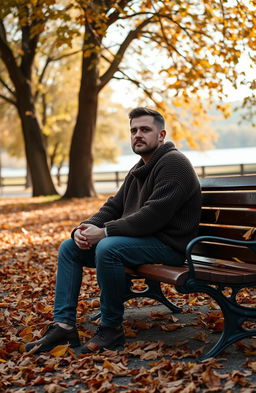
[
  {"x": 203, "y": 171},
  {"x": 241, "y": 169},
  {"x": 117, "y": 179}
]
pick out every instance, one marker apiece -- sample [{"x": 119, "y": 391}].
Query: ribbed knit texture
[{"x": 161, "y": 198}]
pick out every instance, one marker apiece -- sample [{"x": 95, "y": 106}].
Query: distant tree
[
  {"x": 56, "y": 108},
  {"x": 184, "y": 48},
  {"x": 21, "y": 25}
]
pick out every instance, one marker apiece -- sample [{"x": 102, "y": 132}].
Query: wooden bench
[{"x": 222, "y": 256}]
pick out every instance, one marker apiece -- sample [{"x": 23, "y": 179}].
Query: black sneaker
[
  {"x": 104, "y": 338},
  {"x": 55, "y": 335}
]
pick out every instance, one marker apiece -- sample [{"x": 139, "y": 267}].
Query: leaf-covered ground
[{"x": 161, "y": 348}]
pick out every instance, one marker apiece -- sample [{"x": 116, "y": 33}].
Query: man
[{"x": 150, "y": 220}]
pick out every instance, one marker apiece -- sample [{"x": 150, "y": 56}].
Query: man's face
[{"x": 146, "y": 136}]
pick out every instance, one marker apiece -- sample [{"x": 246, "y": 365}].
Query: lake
[{"x": 212, "y": 157}]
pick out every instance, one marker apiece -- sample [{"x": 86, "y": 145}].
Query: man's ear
[{"x": 162, "y": 135}]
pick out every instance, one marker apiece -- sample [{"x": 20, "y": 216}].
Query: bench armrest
[{"x": 213, "y": 239}]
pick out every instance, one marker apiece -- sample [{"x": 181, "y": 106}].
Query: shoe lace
[{"x": 100, "y": 331}]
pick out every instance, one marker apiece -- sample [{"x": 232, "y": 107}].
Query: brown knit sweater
[{"x": 161, "y": 198}]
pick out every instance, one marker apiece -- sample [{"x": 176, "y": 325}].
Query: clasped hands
[{"x": 88, "y": 234}]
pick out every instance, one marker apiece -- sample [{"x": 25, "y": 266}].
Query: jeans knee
[
  {"x": 66, "y": 248},
  {"x": 107, "y": 252},
  {"x": 102, "y": 248}
]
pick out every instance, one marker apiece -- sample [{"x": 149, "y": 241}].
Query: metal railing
[{"x": 117, "y": 177}]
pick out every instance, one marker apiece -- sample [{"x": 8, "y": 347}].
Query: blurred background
[{"x": 70, "y": 74}]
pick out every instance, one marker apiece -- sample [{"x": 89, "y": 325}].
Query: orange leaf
[
  {"x": 25, "y": 331},
  {"x": 172, "y": 326},
  {"x": 59, "y": 350},
  {"x": 12, "y": 346}
]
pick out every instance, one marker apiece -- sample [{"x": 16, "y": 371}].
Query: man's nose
[{"x": 138, "y": 133}]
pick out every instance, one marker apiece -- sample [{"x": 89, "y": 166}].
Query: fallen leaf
[
  {"x": 59, "y": 350},
  {"x": 53, "y": 388}
]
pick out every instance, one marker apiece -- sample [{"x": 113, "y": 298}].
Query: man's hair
[{"x": 142, "y": 111}]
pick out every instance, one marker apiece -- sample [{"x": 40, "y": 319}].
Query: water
[{"x": 198, "y": 158}]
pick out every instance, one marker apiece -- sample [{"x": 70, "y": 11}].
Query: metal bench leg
[
  {"x": 152, "y": 291},
  {"x": 234, "y": 316}
]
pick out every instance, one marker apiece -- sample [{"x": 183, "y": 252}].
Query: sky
[{"x": 126, "y": 94}]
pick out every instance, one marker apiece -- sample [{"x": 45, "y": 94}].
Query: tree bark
[
  {"x": 36, "y": 156},
  {"x": 80, "y": 181}
]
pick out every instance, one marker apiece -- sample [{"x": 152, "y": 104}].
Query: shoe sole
[
  {"x": 43, "y": 348},
  {"x": 114, "y": 345}
]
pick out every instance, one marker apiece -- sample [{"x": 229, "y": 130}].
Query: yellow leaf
[
  {"x": 217, "y": 213},
  {"x": 237, "y": 260},
  {"x": 48, "y": 308},
  {"x": 28, "y": 337},
  {"x": 107, "y": 365},
  {"x": 28, "y": 319},
  {"x": 59, "y": 350},
  {"x": 248, "y": 234},
  {"x": 84, "y": 334}
]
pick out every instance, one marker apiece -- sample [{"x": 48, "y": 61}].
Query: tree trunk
[
  {"x": 36, "y": 156},
  {"x": 28, "y": 182},
  {"x": 80, "y": 181}
]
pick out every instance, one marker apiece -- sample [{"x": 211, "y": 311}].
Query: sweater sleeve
[
  {"x": 165, "y": 200},
  {"x": 111, "y": 210}
]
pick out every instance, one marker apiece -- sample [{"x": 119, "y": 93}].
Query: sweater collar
[{"x": 141, "y": 169}]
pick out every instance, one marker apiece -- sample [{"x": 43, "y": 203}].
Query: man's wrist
[
  {"x": 73, "y": 233},
  {"x": 105, "y": 231}
]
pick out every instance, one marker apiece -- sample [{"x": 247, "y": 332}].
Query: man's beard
[{"x": 145, "y": 150}]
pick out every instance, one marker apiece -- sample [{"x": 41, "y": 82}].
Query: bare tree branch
[
  {"x": 7, "y": 87},
  {"x": 105, "y": 78},
  {"x": 114, "y": 16},
  {"x": 49, "y": 60},
  {"x": 2, "y": 31},
  {"x": 8, "y": 57},
  {"x": 139, "y": 85},
  {"x": 9, "y": 100}
]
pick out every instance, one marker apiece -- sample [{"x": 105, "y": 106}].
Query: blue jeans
[{"x": 109, "y": 256}]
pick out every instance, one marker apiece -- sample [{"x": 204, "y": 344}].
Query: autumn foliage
[
  {"x": 177, "y": 55},
  {"x": 31, "y": 232}
]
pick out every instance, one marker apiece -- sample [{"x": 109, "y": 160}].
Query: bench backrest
[{"x": 228, "y": 210}]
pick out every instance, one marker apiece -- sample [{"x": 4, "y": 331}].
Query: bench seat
[{"x": 212, "y": 272}]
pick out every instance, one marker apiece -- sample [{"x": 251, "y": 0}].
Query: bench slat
[
  {"x": 223, "y": 251},
  {"x": 229, "y": 182},
  {"x": 229, "y": 217},
  {"x": 224, "y": 231},
  {"x": 230, "y": 199}
]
